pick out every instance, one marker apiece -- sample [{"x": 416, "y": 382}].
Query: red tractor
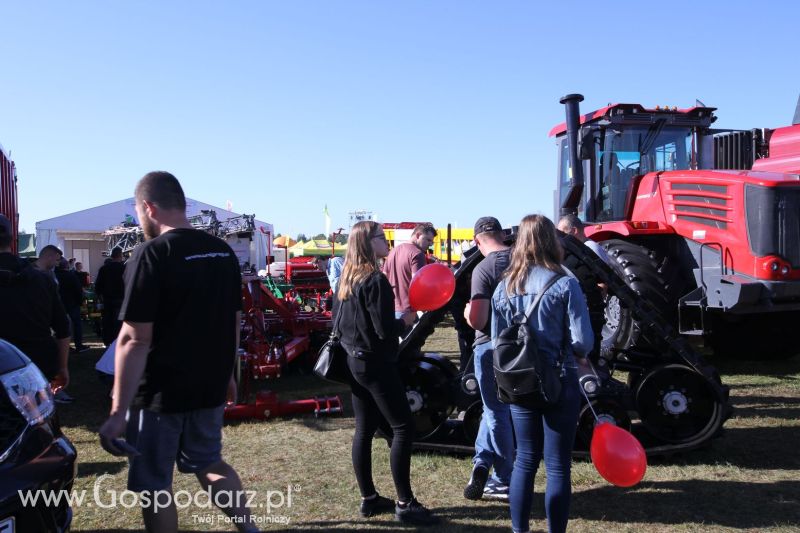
[
  {"x": 704, "y": 223},
  {"x": 8, "y": 193}
]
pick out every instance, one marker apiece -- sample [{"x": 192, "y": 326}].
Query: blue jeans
[
  {"x": 548, "y": 433},
  {"x": 494, "y": 445}
]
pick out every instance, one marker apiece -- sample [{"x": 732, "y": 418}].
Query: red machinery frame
[{"x": 275, "y": 332}]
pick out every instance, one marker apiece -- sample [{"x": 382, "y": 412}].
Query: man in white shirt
[{"x": 572, "y": 225}]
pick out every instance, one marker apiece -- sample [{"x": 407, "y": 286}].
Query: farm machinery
[
  {"x": 276, "y": 332},
  {"x": 670, "y": 398},
  {"x": 702, "y": 227},
  {"x": 702, "y": 222}
]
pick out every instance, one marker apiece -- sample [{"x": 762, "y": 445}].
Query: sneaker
[
  {"x": 376, "y": 505},
  {"x": 63, "y": 397},
  {"x": 415, "y": 514},
  {"x": 474, "y": 489},
  {"x": 495, "y": 490}
]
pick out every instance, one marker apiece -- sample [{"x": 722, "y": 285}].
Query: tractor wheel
[
  {"x": 653, "y": 278},
  {"x": 428, "y": 389},
  {"x": 676, "y": 404},
  {"x": 607, "y": 410},
  {"x": 770, "y": 336}
]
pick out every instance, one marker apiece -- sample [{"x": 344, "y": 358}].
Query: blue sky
[{"x": 416, "y": 110}]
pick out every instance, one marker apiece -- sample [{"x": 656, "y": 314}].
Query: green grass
[{"x": 749, "y": 479}]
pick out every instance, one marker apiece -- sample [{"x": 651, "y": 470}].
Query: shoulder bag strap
[{"x": 335, "y": 328}]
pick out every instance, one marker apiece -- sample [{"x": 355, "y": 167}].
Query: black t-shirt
[
  {"x": 69, "y": 288},
  {"x": 29, "y": 308},
  {"x": 187, "y": 283},
  {"x": 109, "y": 283},
  {"x": 485, "y": 278}
]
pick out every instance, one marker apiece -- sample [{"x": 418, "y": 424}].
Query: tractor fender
[{"x": 618, "y": 230}]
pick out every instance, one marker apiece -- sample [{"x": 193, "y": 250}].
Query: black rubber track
[{"x": 640, "y": 268}]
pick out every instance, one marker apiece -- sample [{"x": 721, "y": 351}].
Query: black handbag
[
  {"x": 332, "y": 358},
  {"x": 523, "y": 374}
]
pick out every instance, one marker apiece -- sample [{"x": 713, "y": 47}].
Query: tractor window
[
  {"x": 624, "y": 153},
  {"x": 666, "y": 157}
]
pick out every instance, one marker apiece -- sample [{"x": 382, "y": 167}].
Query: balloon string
[{"x": 588, "y": 401}]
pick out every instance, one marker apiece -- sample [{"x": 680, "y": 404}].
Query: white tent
[{"x": 80, "y": 234}]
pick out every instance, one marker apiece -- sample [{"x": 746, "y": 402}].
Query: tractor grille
[
  {"x": 773, "y": 221},
  {"x": 712, "y": 213},
  {"x": 11, "y": 423},
  {"x": 733, "y": 150}
]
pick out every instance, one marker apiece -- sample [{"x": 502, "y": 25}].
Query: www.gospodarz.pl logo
[{"x": 272, "y": 500}]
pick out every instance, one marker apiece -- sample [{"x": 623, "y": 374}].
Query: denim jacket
[{"x": 560, "y": 323}]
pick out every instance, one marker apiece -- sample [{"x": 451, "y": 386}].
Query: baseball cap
[
  {"x": 485, "y": 224},
  {"x": 5, "y": 225}
]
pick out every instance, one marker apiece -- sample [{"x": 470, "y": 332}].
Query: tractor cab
[{"x": 622, "y": 142}]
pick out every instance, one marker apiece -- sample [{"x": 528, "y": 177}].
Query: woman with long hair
[
  {"x": 563, "y": 334},
  {"x": 369, "y": 332}
]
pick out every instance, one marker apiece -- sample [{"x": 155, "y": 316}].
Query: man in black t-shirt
[
  {"x": 494, "y": 446},
  {"x": 29, "y": 309},
  {"x": 175, "y": 356},
  {"x": 110, "y": 289}
]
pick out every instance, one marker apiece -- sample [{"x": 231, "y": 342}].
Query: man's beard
[{"x": 150, "y": 230}]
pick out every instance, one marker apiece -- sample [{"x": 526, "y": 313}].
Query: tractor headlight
[
  {"x": 30, "y": 393},
  {"x": 774, "y": 266},
  {"x": 785, "y": 269}
]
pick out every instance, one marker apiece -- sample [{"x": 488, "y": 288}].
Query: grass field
[{"x": 749, "y": 479}]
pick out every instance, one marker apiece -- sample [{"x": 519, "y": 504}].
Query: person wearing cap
[
  {"x": 31, "y": 314},
  {"x": 494, "y": 446},
  {"x": 403, "y": 262}
]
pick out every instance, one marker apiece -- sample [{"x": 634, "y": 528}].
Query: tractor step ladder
[
  {"x": 691, "y": 312},
  {"x": 692, "y": 307}
]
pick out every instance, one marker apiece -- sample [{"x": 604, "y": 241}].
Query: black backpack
[{"x": 524, "y": 375}]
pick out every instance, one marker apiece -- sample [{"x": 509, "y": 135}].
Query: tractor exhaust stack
[{"x": 573, "y": 198}]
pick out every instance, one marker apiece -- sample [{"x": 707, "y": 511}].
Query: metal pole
[{"x": 449, "y": 244}]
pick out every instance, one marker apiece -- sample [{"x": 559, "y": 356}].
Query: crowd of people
[
  {"x": 42, "y": 308},
  {"x": 174, "y": 310},
  {"x": 46, "y": 301},
  {"x": 512, "y": 438}
]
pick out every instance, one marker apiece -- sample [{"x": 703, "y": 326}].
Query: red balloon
[
  {"x": 431, "y": 287},
  {"x": 617, "y": 455}
]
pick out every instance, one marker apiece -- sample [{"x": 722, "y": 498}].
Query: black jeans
[
  {"x": 111, "y": 321},
  {"x": 378, "y": 395},
  {"x": 74, "y": 314}
]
